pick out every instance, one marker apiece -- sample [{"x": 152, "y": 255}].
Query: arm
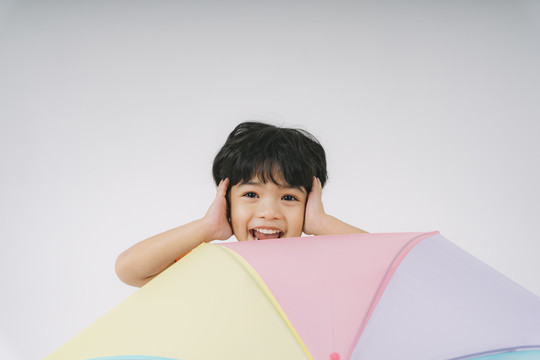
[
  {"x": 317, "y": 222},
  {"x": 145, "y": 260}
]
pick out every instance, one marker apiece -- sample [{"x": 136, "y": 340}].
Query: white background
[{"x": 112, "y": 111}]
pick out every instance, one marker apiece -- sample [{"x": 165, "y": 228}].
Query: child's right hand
[
  {"x": 216, "y": 217},
  {"x": 145, "y": 260}
]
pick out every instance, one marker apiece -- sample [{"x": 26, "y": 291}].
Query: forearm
[
  {"x": 330, "y": 225},
  {"x": 146, "y": 259}
]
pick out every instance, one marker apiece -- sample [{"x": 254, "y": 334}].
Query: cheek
[
  {"x": 296, "y": 223},
  {"x": 237, "y": 213},
  {"x": 239, "y": 221}
]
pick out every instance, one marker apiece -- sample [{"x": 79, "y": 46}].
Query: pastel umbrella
[{"x": 362, "y": 296}]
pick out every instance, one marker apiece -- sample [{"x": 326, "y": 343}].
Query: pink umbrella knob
[{"x": 334, "y": 356}]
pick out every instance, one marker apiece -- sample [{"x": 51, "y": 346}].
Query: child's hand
[
  {"x": 216, "y": 217},
  {"x": 317, "y": 221},
  {"x": 314, "y": 209}
]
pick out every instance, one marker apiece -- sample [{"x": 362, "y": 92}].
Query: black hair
[{"x": 267, "y": 151}]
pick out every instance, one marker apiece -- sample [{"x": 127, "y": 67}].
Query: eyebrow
[{"x": 285, "y": 186}]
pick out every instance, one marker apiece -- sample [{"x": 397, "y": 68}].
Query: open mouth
[{"x": 265, "y": 234}]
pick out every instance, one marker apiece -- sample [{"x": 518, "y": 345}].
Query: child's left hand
[
  {"x": 315, "y": 214},
  {"x": 317, "y": 221}
]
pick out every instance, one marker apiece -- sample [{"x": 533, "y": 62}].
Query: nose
[{"x": 268, "y": 209}]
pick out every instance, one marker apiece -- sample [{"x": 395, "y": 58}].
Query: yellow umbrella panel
[{"x": 210, "y": 305}]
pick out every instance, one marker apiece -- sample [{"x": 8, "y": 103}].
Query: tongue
[{"x": 261, "y": 236}]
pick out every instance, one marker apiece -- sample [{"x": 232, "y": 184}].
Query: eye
[
  {"x": 289, "y": 198},
  {"x": 250, "y": 194}
]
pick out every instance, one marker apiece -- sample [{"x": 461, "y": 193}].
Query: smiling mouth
[{"x": 265, "y": 234}]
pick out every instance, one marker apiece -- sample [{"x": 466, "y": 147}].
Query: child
[{"x": 269, "y": 185}]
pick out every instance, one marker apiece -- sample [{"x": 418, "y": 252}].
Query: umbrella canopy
[{"x": 361, "y": 296}]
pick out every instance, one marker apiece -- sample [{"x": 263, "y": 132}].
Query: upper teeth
[{"x": 267, "y": 231}]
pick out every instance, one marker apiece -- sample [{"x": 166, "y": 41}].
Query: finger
[
  {"x": 222, "y": 187},
  {"x": 316, "y": 187}
]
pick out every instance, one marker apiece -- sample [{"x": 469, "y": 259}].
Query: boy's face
[{"x": 261, "y": 211}]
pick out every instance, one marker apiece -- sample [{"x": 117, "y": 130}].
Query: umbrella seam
[
  {"x": 262, "y": 285},
  {"x": 396, "y": 261}
]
